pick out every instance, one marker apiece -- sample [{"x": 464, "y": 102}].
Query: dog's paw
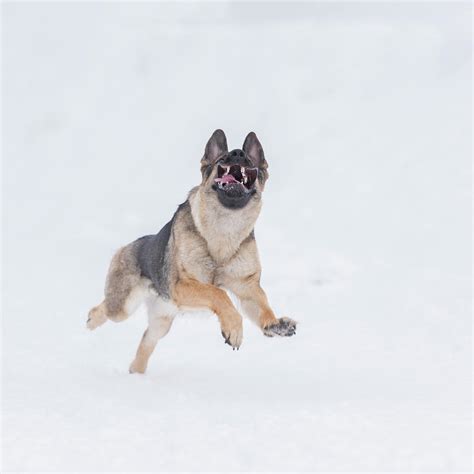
[
  {"x": 96, "y": 318},
  {"x": 284, "y": 327},
  {"x": 137, "y": 367},
  {"x": 233, "y": 334}
]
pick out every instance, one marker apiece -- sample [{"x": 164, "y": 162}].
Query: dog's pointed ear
[
  {"x": 216, "y": 146},
  {"x": 254, "y": 150}
]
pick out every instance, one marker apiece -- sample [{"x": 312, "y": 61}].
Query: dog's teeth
[
  {"x": 245, "y": 179},
  {"x": 227, "y": 170},
  {"x": 242, "y": 170}
]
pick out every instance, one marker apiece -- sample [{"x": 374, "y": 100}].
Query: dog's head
[{"x": 236, "y": 176}]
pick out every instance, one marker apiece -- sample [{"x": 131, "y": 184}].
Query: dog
[{"x": 208, "y": 247}]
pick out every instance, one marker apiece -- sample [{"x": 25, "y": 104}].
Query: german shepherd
[{"x": 208, "y": 246}]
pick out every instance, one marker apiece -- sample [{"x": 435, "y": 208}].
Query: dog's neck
[{"x": 223, "y": 229}]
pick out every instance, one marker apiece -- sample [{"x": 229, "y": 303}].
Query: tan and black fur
[{"x": 208, "y": 247}]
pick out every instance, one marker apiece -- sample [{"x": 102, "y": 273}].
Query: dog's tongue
[{"x": 228, "y": 178}]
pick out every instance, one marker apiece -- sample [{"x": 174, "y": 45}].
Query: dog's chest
[
  {"x": 218, "y": 237},
  {"x": 207, "y": 260},
  {"x": 214, "y": 261},
  {"x": 223, "y": 229},
  {"x": 223, "y": 245}
]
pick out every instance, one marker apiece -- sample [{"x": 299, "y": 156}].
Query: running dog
[{"x": 207, "y": 247}]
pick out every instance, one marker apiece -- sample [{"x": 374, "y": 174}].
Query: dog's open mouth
[{"x": 235, "y": 176}]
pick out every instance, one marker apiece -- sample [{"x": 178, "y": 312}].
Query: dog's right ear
[{"x": 216, "y": 146}]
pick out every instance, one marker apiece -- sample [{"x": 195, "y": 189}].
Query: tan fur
[
  {"x": 97, "y": 316},
  {"x": 123, "y": 278},
  {"x": 156, "y": 330},
  {"x": 125, "y": 290},
  {"x": 191, "y": 293},
  {"x": 241, "y": 275}
]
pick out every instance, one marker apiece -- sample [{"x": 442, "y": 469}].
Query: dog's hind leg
[
  {"x": 160, "y": 318},
  {"x": 97, "y": 316},
  {"x": 125, "y": 290}
]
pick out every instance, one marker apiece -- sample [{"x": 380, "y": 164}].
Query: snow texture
[{"x": 364, "y": 114}]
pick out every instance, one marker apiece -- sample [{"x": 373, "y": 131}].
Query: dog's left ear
[{"x": 254, "y": 150}]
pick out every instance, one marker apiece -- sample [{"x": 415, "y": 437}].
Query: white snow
[{"x": 364, "y": 113}]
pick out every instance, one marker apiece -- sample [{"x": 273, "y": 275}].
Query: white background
[{"x": 364, "y": 114}]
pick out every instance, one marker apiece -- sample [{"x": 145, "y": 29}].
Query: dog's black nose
[
  {"x": 237, "y": 154},
  {"x": 238, "y": 157}
]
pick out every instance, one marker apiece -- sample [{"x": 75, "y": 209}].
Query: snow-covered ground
[{"x": 365, "y": 237}]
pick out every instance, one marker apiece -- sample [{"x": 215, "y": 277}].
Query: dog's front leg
[
  {"x": 255, "y": 304},
  {"x": 194, "y": 294}
]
